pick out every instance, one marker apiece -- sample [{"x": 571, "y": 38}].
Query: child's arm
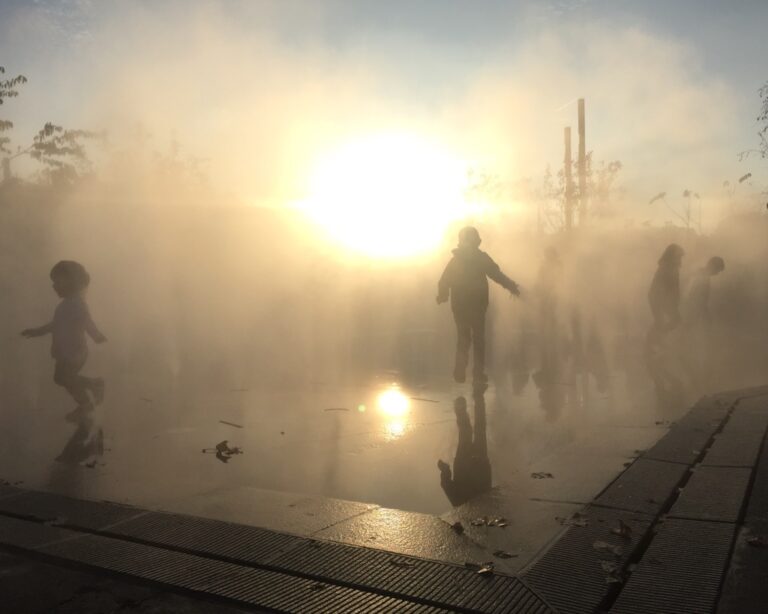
[
  {"x": 92, "y": 330},
  {"x": 37, "y": 332},
  {"x": 444, "y": 285},
  {"x": 494, "y": 272}
]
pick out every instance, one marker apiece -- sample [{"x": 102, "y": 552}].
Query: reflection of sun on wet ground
[{"x": 394, "y": 405}]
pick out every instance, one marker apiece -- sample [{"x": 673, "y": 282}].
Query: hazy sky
[{"x": 671, "y": 85}]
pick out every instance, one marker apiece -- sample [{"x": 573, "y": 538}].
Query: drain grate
[
  {"x": 745, "y": 588},
  {"x": 681, "y": 571},
  {"x": 571, "y": 575},
  {"x": 644, "y": 487},
  {"x": 454, "y": 586},
  {"x": 254, "y": 586},
  {"x": 24, "y": 534},
  {"x": 713, "y": 493},
  {"x": 44, "y": 506},
  {"x": 243, "y": 543}
]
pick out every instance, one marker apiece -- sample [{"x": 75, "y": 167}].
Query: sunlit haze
[{"x": 388, "y": 195}]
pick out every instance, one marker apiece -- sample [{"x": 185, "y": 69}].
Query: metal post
[
  {"x": 582, "y": 166},
  {"x": 567, "y": 167}
]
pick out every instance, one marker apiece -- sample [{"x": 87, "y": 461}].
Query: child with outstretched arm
[{"x": 71, "y": 321}]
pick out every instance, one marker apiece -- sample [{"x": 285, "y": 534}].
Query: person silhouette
[{"x": 465, "y": 281}]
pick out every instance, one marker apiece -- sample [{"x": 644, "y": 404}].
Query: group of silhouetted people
[{"x": 672, "y": 311}]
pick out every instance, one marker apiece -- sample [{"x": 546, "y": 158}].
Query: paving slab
[
  {"x": 279, "y": 511},
  {"x": 713, "y": 493},
  {"x": 532, "y": 526},
  {"x": 407, "y": 533}
]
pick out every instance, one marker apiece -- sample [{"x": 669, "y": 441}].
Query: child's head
[
  {"x": 672, "y": 256},
  {"x": 715, "y": 265},
  {"x": 469, "y": 237},
  {"x": 69, "y": 278}
]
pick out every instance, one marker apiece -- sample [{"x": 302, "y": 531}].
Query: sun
[{"x": 387, "y": 195}]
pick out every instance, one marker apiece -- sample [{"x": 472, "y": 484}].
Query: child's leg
[
  {"x": 66, "y": 376},
  {"x": 463, "y": 341}
]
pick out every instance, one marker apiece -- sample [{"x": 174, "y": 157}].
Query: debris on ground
[
  {"x": 146, "y": 399},
  {"x": 493, "y": 521},
  {"x": 612, "y": 571},
  {"x": 664, "y": 423},
  {"x": 237, "y": 426},
  {"x": 425, "y": 400},
  {"x": 223, "y": 451},
  {"x": 7, "y": 483},
  {"x": 402, "y": 563},
  {"x": 639, "y": 452},
  {"x": 542, "y": 475},
  {"x": 757, "y": 541},
  {"x": 336, "y": 409},
  {"x": 503, "y": 554},
  {"x": 627, "y": 464},
  {"x": 577, "y": 519},
  {"x": 606, "y": 548},
  {"x": 482, "y": 569},
  {"x": 282, "y": 432},
  {"x": 458, "y": 527},
  {"x": 623, "y": 530}
]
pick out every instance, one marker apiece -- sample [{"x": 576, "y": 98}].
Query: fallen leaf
[
  {"x": 623, "y": 530},
  {"x": 541, "y": 475},
  {"x": 503, "y": 554},
  {"x": 605, "y": 547},
  {"x": 757, "y": 541}
]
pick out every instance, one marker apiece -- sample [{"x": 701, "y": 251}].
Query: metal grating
[
  {"x": 65, "y": 510},
  {"x": 682, "y": 444},
  {"x": 745, "y": 589},
  {"x": 211, "y": 537},
  {"x": 27, "y": 534},
  {"x": 758, "y": 402},
  {"x": 451, "y": 585},
  {"x": 681, "y": 571},
  {"x": 246, "y": 585},
  {"x": 757, "y": 507},
  {"x": 9, "y": 491},
  {"x": 739, "y": 443},
  {"x": 713, "y": 493},
  {"x": 570, "y": 575},
  {"x": 644, "y": 487}
]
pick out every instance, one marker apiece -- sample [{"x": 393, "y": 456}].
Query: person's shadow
[{"x": 471, "y": 474}]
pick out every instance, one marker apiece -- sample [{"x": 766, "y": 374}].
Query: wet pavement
[
  {"x": 597, "y": 510},
  {"x": 354, "y": 464}
]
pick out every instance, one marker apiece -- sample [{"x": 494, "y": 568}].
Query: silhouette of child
[
  {"x": 71, "y": 321},
  {"x": 465, "y": 280}
]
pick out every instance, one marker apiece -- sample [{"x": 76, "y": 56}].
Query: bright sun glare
[{"x": 388, "y": 195}]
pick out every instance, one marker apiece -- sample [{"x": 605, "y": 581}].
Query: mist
[{"x": 207, "y": 279}]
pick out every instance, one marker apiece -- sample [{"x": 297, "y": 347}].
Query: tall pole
[
  {"x": 582, "y": 167},
  {"x": 567, "y": 168}
]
